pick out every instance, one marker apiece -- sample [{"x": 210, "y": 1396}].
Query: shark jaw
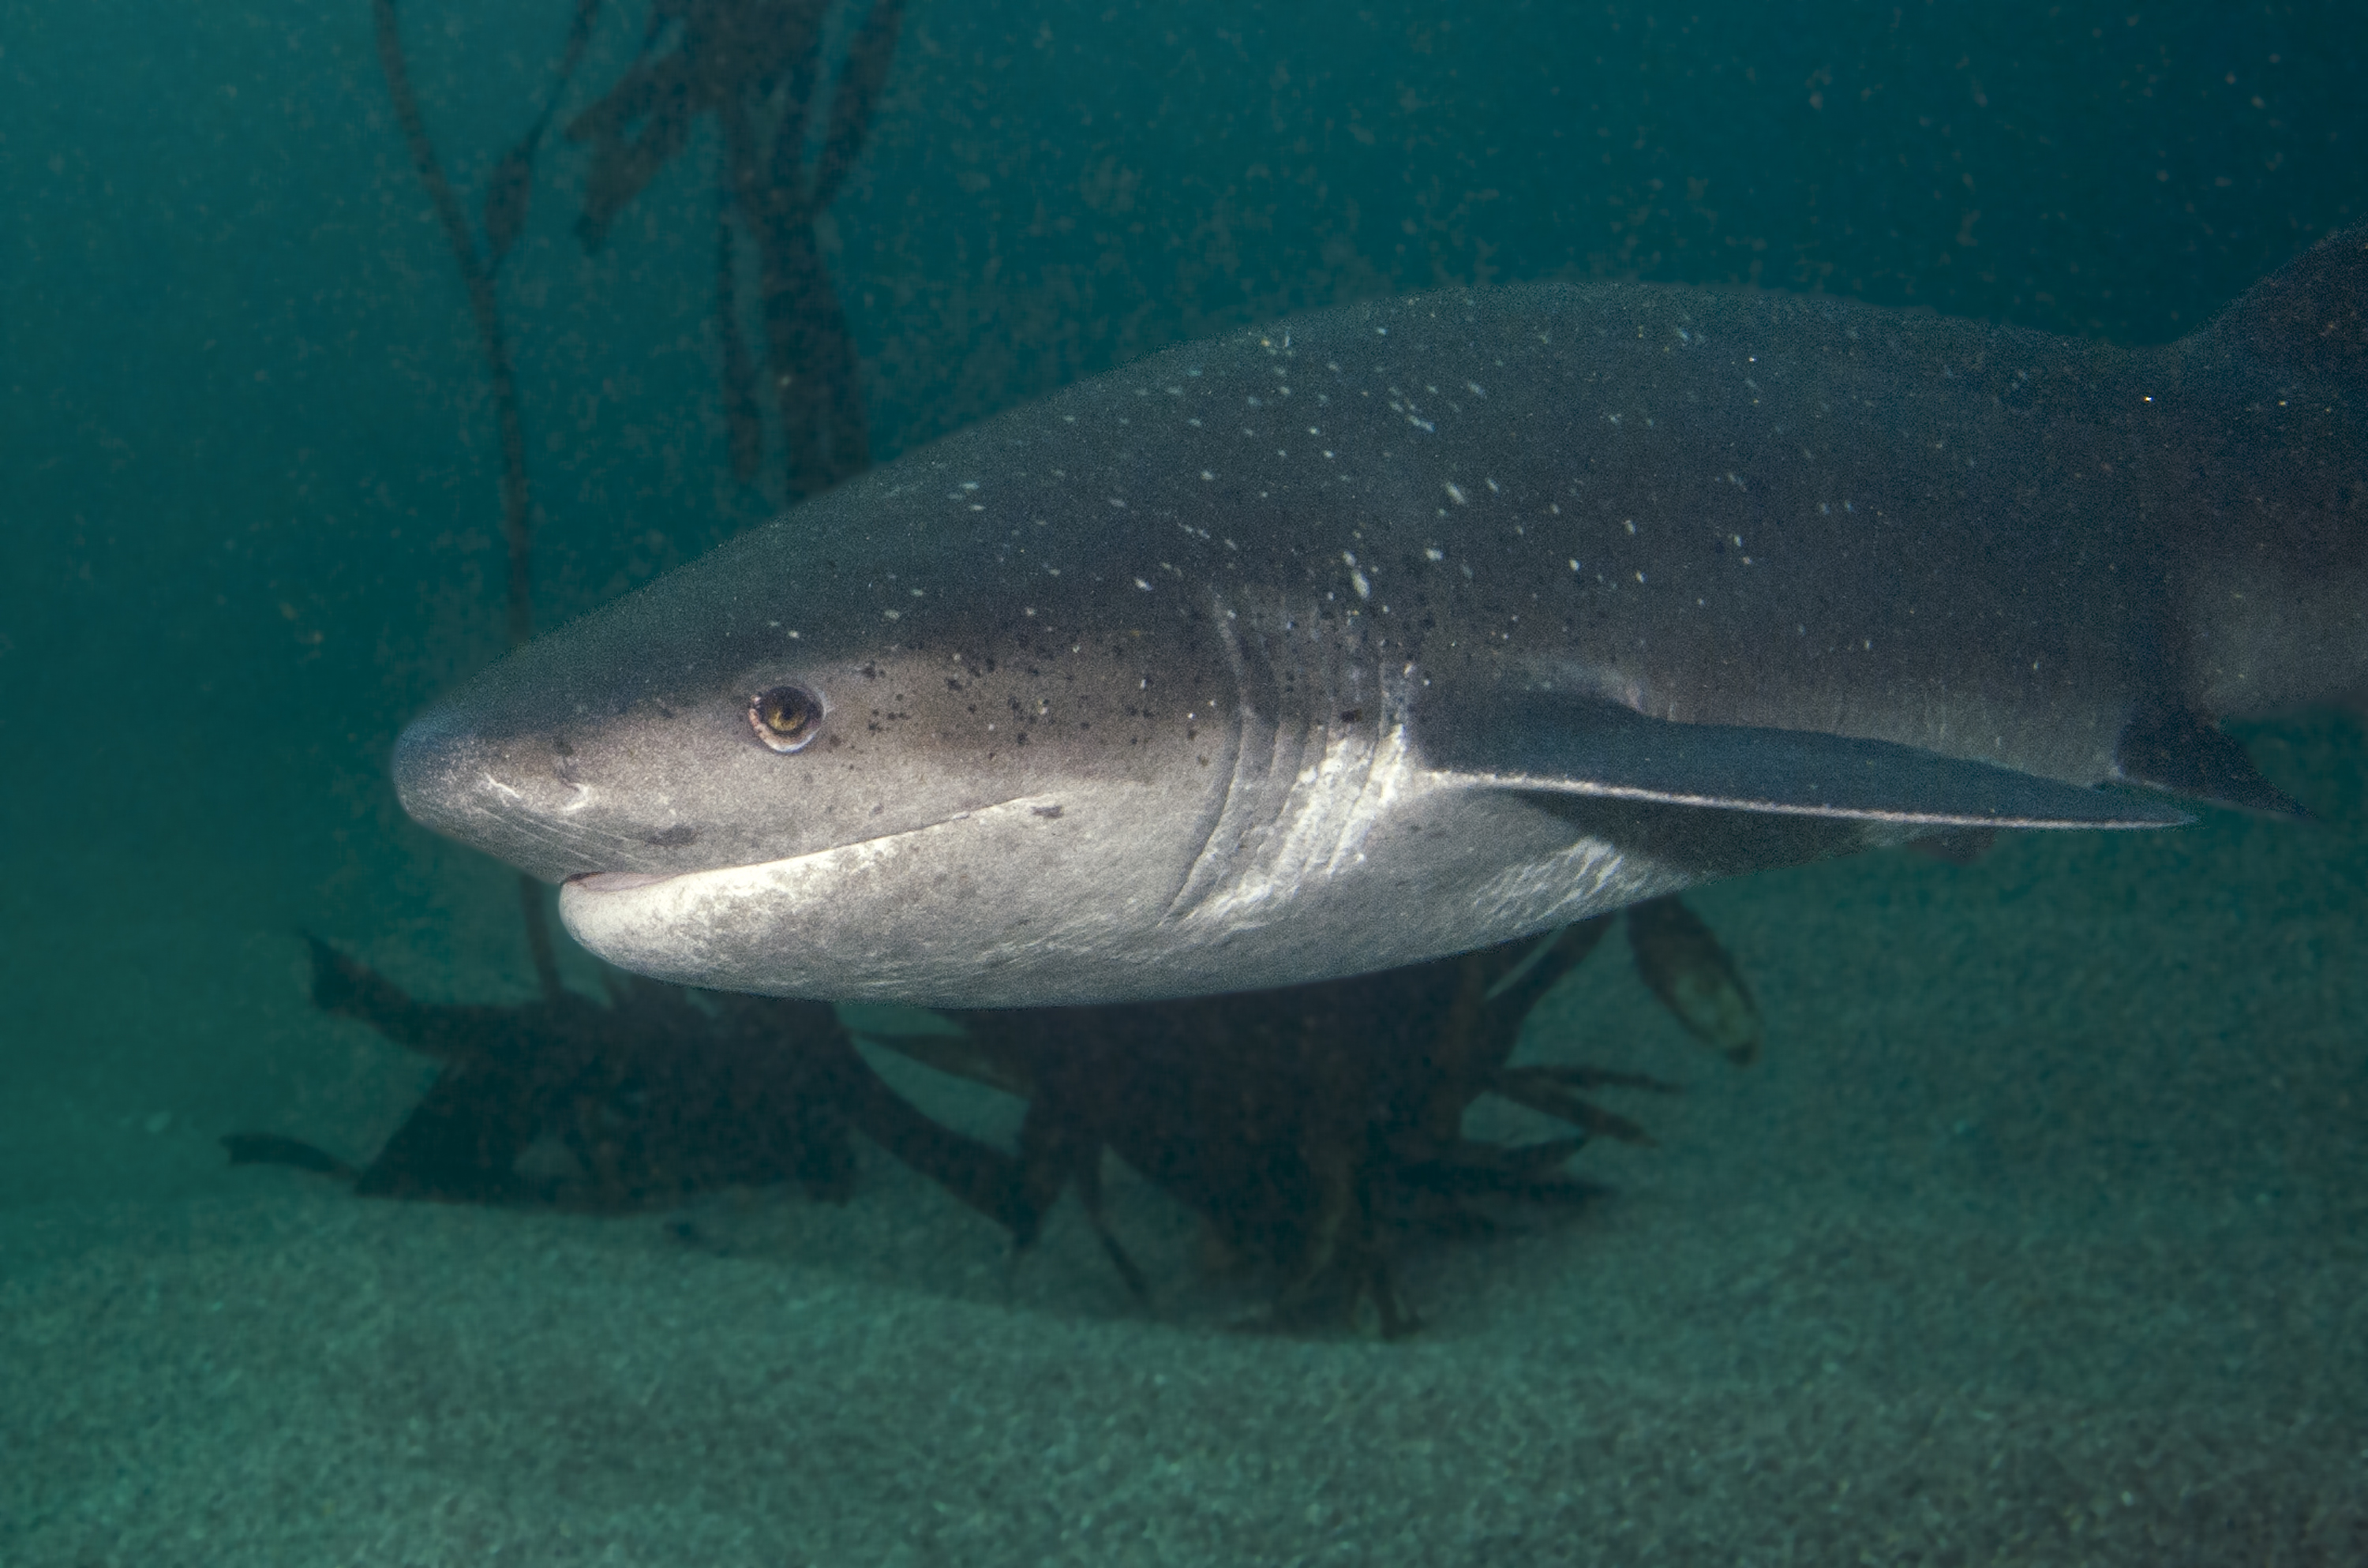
[{"x": 892, "y": 918}]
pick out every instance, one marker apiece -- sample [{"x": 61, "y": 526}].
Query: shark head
[
  {"x": 806, "y": 765},
  {"x": 739, "y": 711}
]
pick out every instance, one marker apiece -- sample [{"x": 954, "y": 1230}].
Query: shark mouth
[
  {"x": 599, "y": 882},
  {"x": 834, "y": 922},
  {"x": 618, "y": 881}
]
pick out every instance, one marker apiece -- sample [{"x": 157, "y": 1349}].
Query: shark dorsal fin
[
  {"x": 2170, "y": 747},
  {"x": 2310, "y": 317}
]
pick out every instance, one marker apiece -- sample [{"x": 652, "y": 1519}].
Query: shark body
[{"x": 1401, "y": 628}]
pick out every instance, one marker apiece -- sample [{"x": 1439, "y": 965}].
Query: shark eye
[{"x": 785, "y": 717}]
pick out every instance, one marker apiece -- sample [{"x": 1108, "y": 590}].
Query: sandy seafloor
[{"x": 2036, "y": 1236}]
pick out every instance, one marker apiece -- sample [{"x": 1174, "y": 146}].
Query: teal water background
[
  {"x": 251, "y": 515},
  {"x": 249, "y": 522},
  {"x": 251, "y": 519}
]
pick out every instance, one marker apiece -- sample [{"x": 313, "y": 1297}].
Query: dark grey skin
[{"x": 1410, "y": 626}]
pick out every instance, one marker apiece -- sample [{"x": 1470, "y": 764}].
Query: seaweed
[
  {"x": 1314, "y": 1130},
  {"x": 653, "y": 1096},
  {"x": 755, "y": 65},
  {"x": 756, "y": 68}
]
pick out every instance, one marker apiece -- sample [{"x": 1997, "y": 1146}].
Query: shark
[{"x": 1404, "y": 627}]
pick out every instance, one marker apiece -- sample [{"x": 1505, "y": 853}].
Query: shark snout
[
  {"x": 495, "y": 797},
  {"x": 426, "y": 756},
  {"x": 559, "y": 803}
]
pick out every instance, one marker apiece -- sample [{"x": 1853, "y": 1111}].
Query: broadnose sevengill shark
[{"x": 1399, "y": 627}]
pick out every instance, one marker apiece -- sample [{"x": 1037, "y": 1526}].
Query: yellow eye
[{"x": 785, "y": 717}]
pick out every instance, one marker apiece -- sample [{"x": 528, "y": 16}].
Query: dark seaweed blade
[
  {"x": 809, "y": 348},
  {"x": 655, "y": 94},
  {"x": 1525, "y": 983},
  {"x": 505, "y": 197},
  {"x": 1601, "y": 1078},
  {"x": 1683, "y": 964},
  {"x": 982, "y": 1176},
  {"x": 623, "y": 166},
  {"x": 508, "y": 190},
  {"x": 799, "y": 57},
  {"x": 812, "y": 357},
  {"x": 351, "y": 989},
  {"x": 1539, "y": 1089},
  {"x": 1472, "y": 1170},
  {"x": 868, "y": 56},
  {"x": 579, "y": 39},
  {"x": 654, "y": 1096},
  {"x": 461, "y": 1143},
  {"x": 518, "y": 508},
  {"x": 268, "y": 1149},
  {"x": 837, "y": 369},
  {"x": 744, "y": 425}
]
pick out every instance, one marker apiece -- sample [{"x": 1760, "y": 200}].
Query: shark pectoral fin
[
  {"x": 1585, "y": 745},
  {"x": 2175, "y": 749}
]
